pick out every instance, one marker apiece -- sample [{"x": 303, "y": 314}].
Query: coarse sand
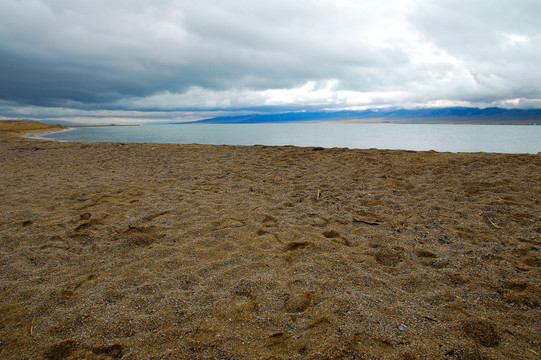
[{"x": 161, "y": 251}]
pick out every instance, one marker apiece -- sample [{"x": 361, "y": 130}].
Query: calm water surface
[{"x": 439, "y": 137}]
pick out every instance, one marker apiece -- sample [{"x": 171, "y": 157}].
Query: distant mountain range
[{"x": 463, "y": 115}]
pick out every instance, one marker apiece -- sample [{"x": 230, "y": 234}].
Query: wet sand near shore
[{"x": 161, "y": 251}]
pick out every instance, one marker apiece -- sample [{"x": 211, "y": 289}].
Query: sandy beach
[{"x": 160, "y": 251}]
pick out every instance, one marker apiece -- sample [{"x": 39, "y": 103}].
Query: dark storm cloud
[{"x": 182, "y": 54}]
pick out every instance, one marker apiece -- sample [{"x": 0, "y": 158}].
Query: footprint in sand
[
  {"x": 228, "y": 224},
  {"x": 389, "y": 257},
  {"x": 277, "y": 338},
  {"x": 85, "y": 216},
  {"x": 88, "y": 224},
  {"x": 140, "y": 235},
  {"x": 481, "y": 331},
  {"x": 428, "y": 258},
  {"x": 294, "y": 250},
  {"x": 331, "y": 234},
  {"x": 517, "y": 286},
  {"x": 316, "y": 220},
  {"x": 245, "y": 288},
  {"x": 299, "y": 303},
  {"x": 296, "y": 245},
  {"x": 70, "y": 348},
  {"x": 426, "y": 254},
  {"x": 335, "y": 236},
  {"x": 60, "y": 350},
  {"x": 114, "y": 351},
  {"x": 154, "y": 216},
  {"x": 269, "y": 220}
]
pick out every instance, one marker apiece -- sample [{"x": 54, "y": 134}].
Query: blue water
[{"x": 438, "y": 137}]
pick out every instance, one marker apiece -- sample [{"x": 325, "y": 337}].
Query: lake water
[{"x": 438, "y": 137}]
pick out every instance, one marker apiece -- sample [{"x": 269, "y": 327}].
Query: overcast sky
[{"x": 119, "y": 58}]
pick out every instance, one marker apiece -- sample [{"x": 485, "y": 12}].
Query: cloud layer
[{"x": 180, "y": 54}]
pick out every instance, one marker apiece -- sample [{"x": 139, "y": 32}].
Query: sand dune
[{"x": 157, "y": 251}]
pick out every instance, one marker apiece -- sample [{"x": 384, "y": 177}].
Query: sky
[{"x": 133, "y": 60}]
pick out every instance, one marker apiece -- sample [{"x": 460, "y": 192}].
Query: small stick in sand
[
  {"x": 32, "y": 327},
  {"x": 496, "y": 226},
  {"x": 372, "y": 223},
  {"x": 318, "y": 195}
]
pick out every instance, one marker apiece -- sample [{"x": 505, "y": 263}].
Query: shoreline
[
  {"x": 137, "y": 251},
  {"x": 39, "y": 135},
  {"x": 400, "y": 144}
]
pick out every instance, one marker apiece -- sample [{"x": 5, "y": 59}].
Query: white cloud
[{"x": 229, "y": 54}]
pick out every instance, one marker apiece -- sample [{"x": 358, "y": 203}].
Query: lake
[{"x": 420, "y": 137}]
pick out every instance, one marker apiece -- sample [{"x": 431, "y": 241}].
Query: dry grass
[{"x": 22, "y": 127}]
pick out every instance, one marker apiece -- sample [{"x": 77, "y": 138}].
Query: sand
[{"x": 160, "y": 251}]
